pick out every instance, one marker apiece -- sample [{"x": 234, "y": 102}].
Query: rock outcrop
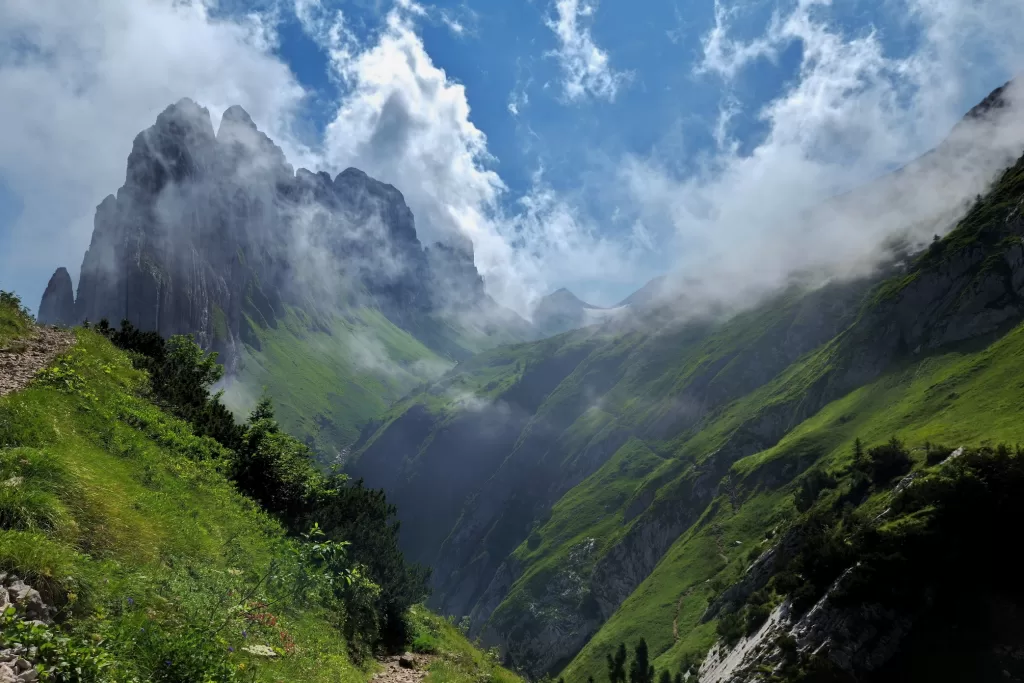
[
  {"x": 214, "y": 232},
  {"x": 18, "y": 662},
  {"x": 58, "y": 304}
]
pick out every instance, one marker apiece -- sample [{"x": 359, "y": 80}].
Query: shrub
[{"x": 883, "y": 463}]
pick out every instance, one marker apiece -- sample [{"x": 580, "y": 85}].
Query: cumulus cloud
[
  {"x": 404, "y": 120},
  {"x": 746, "y": 220},
  {"x": 81, "y": 79},
  {"x": 586, "y": 68}
]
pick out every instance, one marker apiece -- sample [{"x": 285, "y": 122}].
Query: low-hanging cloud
[
  {"x": 747, "y": 220},
  {"x": 405, "y": 121}
]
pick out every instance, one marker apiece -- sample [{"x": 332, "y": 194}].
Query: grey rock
[
  {"x": 58, "y": 304},
  {"x": 212, "y": 229}
]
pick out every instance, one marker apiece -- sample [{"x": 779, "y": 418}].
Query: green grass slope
[
  {"x": 117, "y": 514},
  {"x": 637, "y": 471},
  {"x": 122, "y": 518},
  {"x": 966, "y": 398},
  {"x": 328, "y": 379}
]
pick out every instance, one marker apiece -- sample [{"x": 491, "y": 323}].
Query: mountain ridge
[{"x": 673, "y": 413}]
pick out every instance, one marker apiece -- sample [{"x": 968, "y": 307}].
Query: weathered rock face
[
  {"x": 58, "y": 304},
  {"x": 214, "y": 229}
]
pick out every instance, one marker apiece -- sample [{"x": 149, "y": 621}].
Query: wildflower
[
  {"x": 245, "y": 634},
  {"x": 130, "y": 601},
  {"x": 167, "y": 662},
  {"x": 231, "y": 649}
]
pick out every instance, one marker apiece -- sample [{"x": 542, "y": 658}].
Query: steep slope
[
  {"x": 127, "y": 553},
  {"x": 592, "y": 488},
  {"x": 214, "y": 234}
]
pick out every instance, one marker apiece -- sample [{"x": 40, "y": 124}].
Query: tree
[
  {"x": 641, "y": 671},
  {"x": 665, "y": 677},
  {"x": 678, "y": 677},
  {"x": 617, "y": 665}
]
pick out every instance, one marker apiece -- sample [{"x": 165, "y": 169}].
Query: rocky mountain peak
[
  {"x": 58, "y": 304},
  {"x": 212, "y": 230}
]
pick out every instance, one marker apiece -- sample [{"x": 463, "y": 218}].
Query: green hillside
[
  {"x": 133, "y": 527},
  {"x": 327, "y": 382},
  {"x": 611, "y": 483},
  {"x": 331, "y": 373}
]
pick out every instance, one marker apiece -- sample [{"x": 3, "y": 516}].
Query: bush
[{"x": 886, "y": 462}]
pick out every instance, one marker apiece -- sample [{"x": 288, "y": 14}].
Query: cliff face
[
  {"x": 58, "y": 304},
  {"x": 212, "y": 232}
]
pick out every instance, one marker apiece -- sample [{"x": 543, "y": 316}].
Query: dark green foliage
[
  {"x": 278, "y": 472},
  {"x": 884, "y": 463},
  {"x": 664, "y": 676},
  {"x": 811, "y": 486},
  {"x": 617, "y": 665},
  {"x": 181, "y": 374},
  {"x": 938, "y": 555},
  {"x": 363, "y": 517},
  {"x": 640, "y": 670},
  {"x": 730, "y": 628}
]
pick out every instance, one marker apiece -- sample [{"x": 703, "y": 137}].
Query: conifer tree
[
  {"x": 665, "y": 677},
  {"x": 617, "y": 665},
  {"x": 641, "y": 671}
]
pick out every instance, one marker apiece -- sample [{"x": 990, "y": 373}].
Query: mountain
[
  {"x": 317, "y": 288},
  {"x": 690, "y": 480},
  {"x": 562, "y": 311}
]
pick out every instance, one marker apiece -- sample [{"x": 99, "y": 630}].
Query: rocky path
[
  {"x": 23, "y": 358},
  {"x": 407, "y": 668}
]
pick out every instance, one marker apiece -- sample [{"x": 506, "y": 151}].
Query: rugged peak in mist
[
  {"x": 213, "y": 233},
  {"x": 58, "y": 304},
  {"x": 562, "y": 310},
  {"x": 652, "y": 293}
]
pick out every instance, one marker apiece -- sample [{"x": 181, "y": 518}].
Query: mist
[{"x": 865, "y": 155}]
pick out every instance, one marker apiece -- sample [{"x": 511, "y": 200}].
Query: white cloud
[
  {"x": 81, "y": 79},
  {"x": 403, "y": 120},
  {"x": 746, "y": 221},
  {"x": 586, "y": 68}
]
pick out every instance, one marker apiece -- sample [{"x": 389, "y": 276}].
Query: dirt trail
[
  {"x": 679, "y": 608},
  {"x": 23, "y": 358},
  {"x": 407, "y": 668}
]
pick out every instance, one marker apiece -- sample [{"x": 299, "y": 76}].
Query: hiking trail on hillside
[
  {"x": 407, "y": 668},
  {"x": 23, "y": 358}
]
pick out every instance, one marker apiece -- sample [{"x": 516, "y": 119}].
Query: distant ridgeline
[
  {"x": 580, "y": 492},
  {"x": 213, "y": 234}
]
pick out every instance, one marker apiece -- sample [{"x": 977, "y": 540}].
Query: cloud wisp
[
  {"x": 586, "y": 67},
  {"x": 404, "y": 120}
]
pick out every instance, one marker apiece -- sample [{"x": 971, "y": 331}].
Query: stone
[
  {"x": 406, "y": 662},
  {"x": 7, "y": 675},
  {"x": 29, "y": 675}
]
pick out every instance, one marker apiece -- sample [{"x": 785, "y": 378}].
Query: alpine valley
[{"x": 822, "y": 484}]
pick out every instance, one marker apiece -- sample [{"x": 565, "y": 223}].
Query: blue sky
[{"x": 592, "y": 145}]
